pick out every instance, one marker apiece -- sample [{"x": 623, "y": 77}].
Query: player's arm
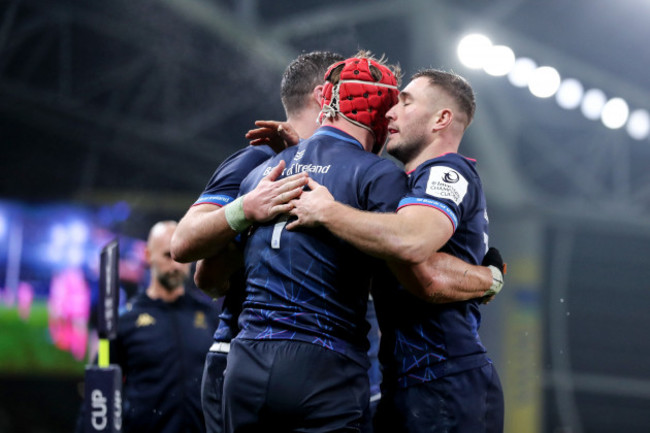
[
  {"x": 444, "y": 278},
  {"x": 202, "y": 232},
  {"x": 410, "y": 236},
  {"x": 206, "y": 230},
  {"x": 408, "y": 240},
  {"x": 212, "y": 275}
]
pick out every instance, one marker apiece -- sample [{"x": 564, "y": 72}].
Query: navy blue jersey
[
  {"x": 224, "y": 183},
  {"x": 434, "y": 340},
  {"x": 161, "y": 349},
  {"x": 223, "y": 188},
  {"x": 307, "y": 284}
]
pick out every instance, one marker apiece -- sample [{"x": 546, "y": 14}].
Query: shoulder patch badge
[
  {"x": 145, "y": 319},
  {"x": 199, "y": 320},
  {"x": 446, "y": 183}
]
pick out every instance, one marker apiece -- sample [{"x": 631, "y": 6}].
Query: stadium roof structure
[{"x": 123, "y": 96}]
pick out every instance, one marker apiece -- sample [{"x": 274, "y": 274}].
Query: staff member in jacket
[{"x": 162, "y": 340}]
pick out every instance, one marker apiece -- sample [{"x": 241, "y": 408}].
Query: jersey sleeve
[
  {"x": 383, "y": 185},
  {"x": 223, "y": 186},
  {"x": 447, "y": 184}
]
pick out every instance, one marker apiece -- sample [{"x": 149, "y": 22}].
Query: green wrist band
[{"x": 235, "y": 215}]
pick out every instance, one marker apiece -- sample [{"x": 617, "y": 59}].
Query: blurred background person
[{"x": 163, "y": 336}]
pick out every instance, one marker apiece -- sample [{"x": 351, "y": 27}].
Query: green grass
[{"x": 26, "y": 346}]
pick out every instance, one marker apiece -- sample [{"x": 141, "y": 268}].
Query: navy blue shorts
[
  {"x": 212, "y": 389},
  {"x": 467, "y": 402},
  {"x": 291, "y": 386}
]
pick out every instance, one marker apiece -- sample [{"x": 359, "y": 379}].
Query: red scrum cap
[{"x": 359, "y": 96}]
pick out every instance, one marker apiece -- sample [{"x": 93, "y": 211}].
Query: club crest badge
[{"x": 446, "y": 183}]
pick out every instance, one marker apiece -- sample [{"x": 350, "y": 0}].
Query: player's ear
[
  {"x": 147, "y": 255},
  {"x": 317, "y": 93},
  {"x": 442, "y": 119}
]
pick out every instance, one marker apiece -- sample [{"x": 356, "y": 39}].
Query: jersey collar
[{"x": 337, "y": 133}]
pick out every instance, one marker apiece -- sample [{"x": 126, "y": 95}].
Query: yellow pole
[{"x": 103, "y": 355}]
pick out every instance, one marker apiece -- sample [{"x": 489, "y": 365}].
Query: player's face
[
  {"x": 166, "y": 270},
  {"x": 410, "y": 120}
]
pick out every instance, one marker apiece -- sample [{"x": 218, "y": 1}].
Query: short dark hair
[
  {"x": 302, "y": 75},
  {"x": 456, "y": 86}
]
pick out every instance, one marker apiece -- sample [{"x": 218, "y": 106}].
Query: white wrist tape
[
  {"x": 497, "y": 281},
  {"x": 235, "y": 215}
]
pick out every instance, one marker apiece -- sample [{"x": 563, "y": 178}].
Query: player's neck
[
  {"x": 434, "y": 149},
  {"x": 156, "y": 291},
  {"x": 305, "y": 122},
  {"x": 362, "y": 135}
]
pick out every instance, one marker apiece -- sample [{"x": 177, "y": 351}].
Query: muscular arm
[
  {"x": 408, "y": 240},
  {"x": 443, "y": 278},
  {"x": 411, "y": 235},
  {"x": 212, "y": 274},
  {"x": 204, "y": 230}
]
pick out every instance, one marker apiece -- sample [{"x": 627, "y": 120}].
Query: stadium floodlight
[
  {"x": 476, "y": 51},
  {"x": 521, "y": 72},
  {"x": 500, "y": 61},
  {"x": 615, "y": 113},
  {"x": 544, "y": 82},
  {"x": 638, "y": 125},
  {"x": 473, "y": 50},
  {"x": 570, "y": 93},
  {"x": 593, "y": 103}
]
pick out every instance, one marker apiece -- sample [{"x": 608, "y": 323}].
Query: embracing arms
[
  {"x": 206, "y": 233},
  {"x": 409, "y": 241},
  {"x": 205, "y": 230}
]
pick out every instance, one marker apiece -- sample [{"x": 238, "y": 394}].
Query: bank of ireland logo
[{"x": 299, "y": 155}]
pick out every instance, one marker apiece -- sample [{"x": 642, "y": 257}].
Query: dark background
[{"x": 139, "y": 101}]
